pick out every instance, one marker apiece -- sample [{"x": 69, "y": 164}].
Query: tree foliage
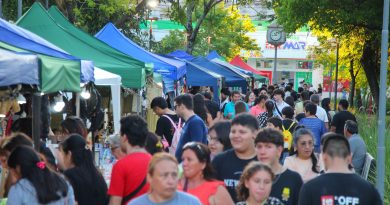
[
  {"x": 223, "y": 30},
  {"x": 342, "y": 18},
  {"x": 191, "y": 14}
]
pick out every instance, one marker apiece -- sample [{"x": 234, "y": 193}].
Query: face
[
  {"x": 268, "y": 153},
  {"x": 64, "y": 160},
  {"x": 242, "y": 138},
  {"x": 277, "y": 97},
  {"x": 263, "y": 92},
  {"x": 192, "y": 167},
  {"x": 215, "y": 145},
  {"x": 236, "y": 97},
  {"x": 158, "y": 111},
  {"x": 117, "y": 152},
  {"x": 252, "y": 97},
  {"x": 259, "y": 186},
  {"x": 305, "y": 146},
  {"x": 164, "y": 180},
  {"x": 178, "y": 109}
]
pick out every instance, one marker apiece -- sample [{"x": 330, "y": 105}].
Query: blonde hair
[
  {"x": 158, "y": 157},
  {"x": 251, "y": 169}
]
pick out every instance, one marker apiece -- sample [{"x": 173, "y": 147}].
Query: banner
[{"x": 329, "y": 84}]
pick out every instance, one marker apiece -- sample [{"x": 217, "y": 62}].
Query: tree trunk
[
  {"x": 353, "y": 83},
  {"x": 371, "y": 66}
]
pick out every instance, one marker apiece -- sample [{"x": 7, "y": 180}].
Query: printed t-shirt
[
  {"x": 286, "y": 187},
  {"x": 194, "y": 130},
  {"x": 204, "y": 191},
  {"x": 180, "y": 198},
  {"x": 164, "y": 127},
  {"x": 229, "y": 168},
  {"x": 339, "y": 189},
  {"x": 128, "y": 173}
]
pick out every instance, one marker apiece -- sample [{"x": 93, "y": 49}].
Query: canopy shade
[
  {"x": 18, "y": 68},
  {"x": 237, "y": 61},
  {"x": 78, "y": 43},
  {"x": 22, "y": 38},
  {"x": 181, "y": 54},
  {"x": 105, "y": 78},
  {"x": 245, "y": 74},
  {"x": 232, "y": 79},
  {"x": 170, "y": 68},
  {"x": 213, "y": 54},
  {"x": 55, "y": 73}
]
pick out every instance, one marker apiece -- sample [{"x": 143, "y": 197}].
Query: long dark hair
[
  {"x": 269, "y": 106},
  {"x": 73, "y": 124},
  {"x": 222, "y": 129},
  {"x": 202, "y": 152},
  {"x": 82, "y": 159},
  {"x": 48, "y": 185},
  {"x": 200, "y": 107},
  {"x": 297, "y": 134}
]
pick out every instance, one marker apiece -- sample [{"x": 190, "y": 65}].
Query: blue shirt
[
  {"x": 23, "y": 192},
  {"x": 318, "y": 128},
  {"x": 194, "y": 130},
  {"x": 179, "y": 198},
  {"x": 229, "y": 109}
]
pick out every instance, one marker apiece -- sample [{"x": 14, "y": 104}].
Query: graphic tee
[
  {"x": 229, "y": 168},
  {"x": 339, "y": 189},
  {"x": 286, "y": 187}
]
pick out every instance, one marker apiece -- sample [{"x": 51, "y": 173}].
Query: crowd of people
[{"x": 272, "y": 146}]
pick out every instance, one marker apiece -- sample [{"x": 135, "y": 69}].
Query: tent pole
[
  {"x": 36, "y": 122},
  {"x": 78, "y": 104}
]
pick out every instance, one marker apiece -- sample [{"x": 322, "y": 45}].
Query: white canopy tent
[{"x": 105, "y": 78}]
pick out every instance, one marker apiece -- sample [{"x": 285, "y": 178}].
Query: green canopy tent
[
  {"x": 55, "y": 73},
  {"x": 84, "y": 46}
]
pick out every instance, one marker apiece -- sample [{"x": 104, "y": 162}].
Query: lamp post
[
  {"x": 1, "y": 9},
  {"x": 151, "y": 4},
  {"x": 337, "y": 75},
  {"x": 276, "y": 37},
  {"x": 20, "y": 5}
]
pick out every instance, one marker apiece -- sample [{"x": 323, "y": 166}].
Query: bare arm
[
  {"x": 221, "y": 197},
  {"x": 115, "y": 200}
]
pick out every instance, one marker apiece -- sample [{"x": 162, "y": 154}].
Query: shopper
[{"x": 219, "y": 138}]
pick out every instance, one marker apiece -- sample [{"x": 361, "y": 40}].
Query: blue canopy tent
[
  {"x": 232, "y": 79},
  {"x": 199, "y": 76},
  {"x": 18, "y": 68},
  {"x": 24, "y": 39},
  {"x": 213, "y": 54},
  {"x": 181, "y": 55},
  {"x": 170, "y": 68}
]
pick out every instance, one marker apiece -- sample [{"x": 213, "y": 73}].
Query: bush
[{"x": 368, "y": 129}]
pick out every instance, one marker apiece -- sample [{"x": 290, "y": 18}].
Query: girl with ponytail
[
  {"x": 34, "y": 182},
  {"x": 77, "y": 162}
]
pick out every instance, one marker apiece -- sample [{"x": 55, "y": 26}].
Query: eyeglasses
[{"x": 212, "y": 139}]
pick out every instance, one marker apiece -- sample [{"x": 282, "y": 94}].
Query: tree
[
  {"x": 350, "y": 51},
  {"x": 223, "y": 30},
  {"x": 186, "y": 11},
  {"x": 341, "y": 18}
]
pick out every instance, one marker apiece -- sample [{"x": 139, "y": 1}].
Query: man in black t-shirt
[
  {"x": 287, "y": 184},
  {"x": 341, "y": 117},
  {"x": 230, "y": 164},
  {"x": 164, "y": 127},
  {"x": 338, "y": 186}
]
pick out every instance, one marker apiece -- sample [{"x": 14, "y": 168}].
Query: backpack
[
  {"x": 176, "y": 136},
  {"x": 288, "y": 138}
]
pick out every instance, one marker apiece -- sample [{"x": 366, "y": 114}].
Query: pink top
[
  {"x": 302, "y": 167},
  {"x": 256, "y": 110}
]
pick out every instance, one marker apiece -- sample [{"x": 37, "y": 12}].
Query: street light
[
  {"x": 151, "y": 4},
  {"x": 333, "y": 42}
]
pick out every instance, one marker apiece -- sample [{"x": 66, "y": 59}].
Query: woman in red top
[{"x": 198, "y": 176}]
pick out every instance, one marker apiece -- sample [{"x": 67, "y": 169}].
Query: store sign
[{"x": 294, "y": 45}]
